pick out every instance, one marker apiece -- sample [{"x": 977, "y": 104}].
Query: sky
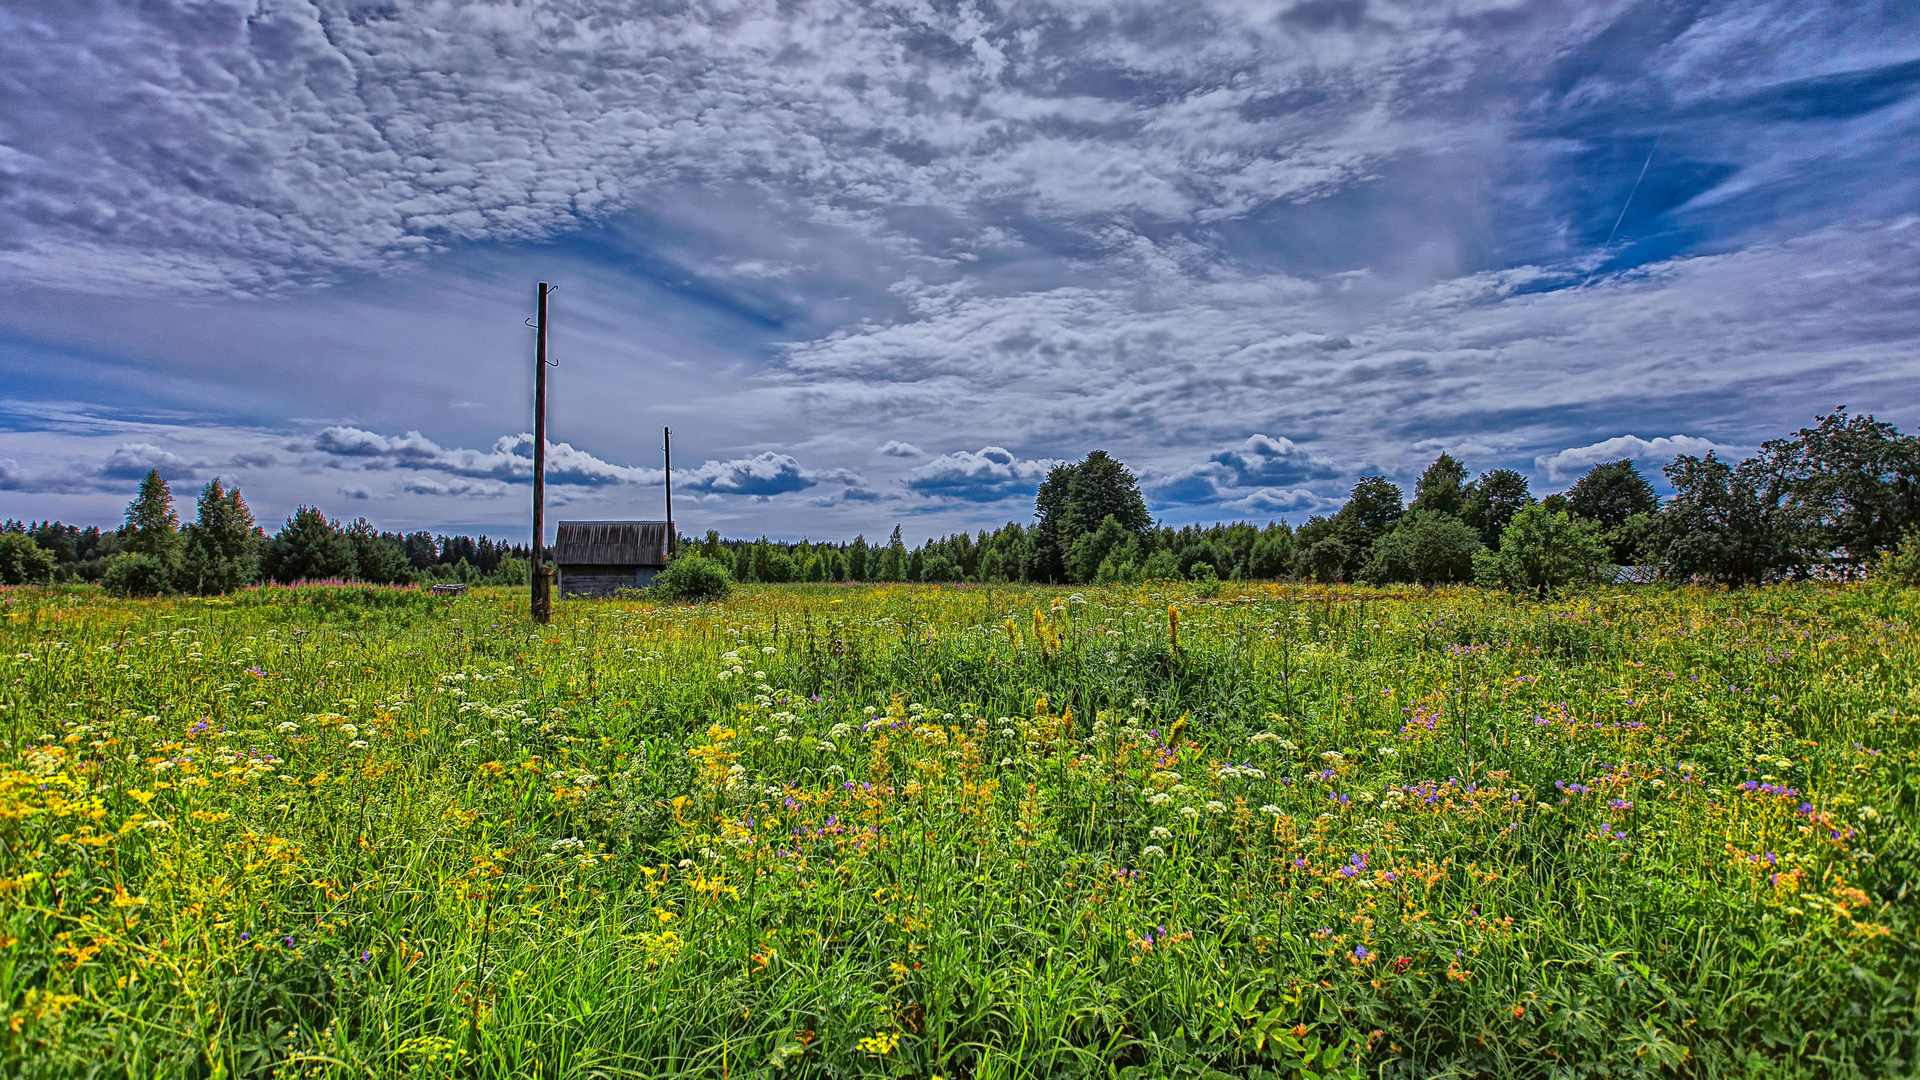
[{"x": 888, "y": 263}]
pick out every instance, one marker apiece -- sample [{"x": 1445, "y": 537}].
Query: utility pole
[
  {"x": 542, "y": 580},
  {"x": 666, "y": 452}
]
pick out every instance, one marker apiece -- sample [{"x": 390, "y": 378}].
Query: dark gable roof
[{"x": 611, "y": 543}]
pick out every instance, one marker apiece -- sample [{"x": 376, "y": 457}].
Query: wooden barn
[{"x": 596, "y": 557}]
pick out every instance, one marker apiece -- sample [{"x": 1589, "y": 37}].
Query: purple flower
[
  {"x": 287, "y": 941},
  {"x": 246, "y": 935},
  {"x": 366, "y": 955},
  {"x": 1360, "y": 952}
]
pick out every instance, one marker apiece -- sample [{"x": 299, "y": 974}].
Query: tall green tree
[
  {"x": 1611, "y": 493},
  {"x": 221, "y": 549},
  {"x": 1492, "y": 500},
  {"x": 1729, "y": 524},
  {"x": 1442, "y": 488},
  {"x": 1853, "y": 483},
  {"x": 152, "y": 527},
  {"x": 1429, "y": 547},
  {"x": 308, "y": 548},
  {"x": 1372, "y": 509},
  {"x": 383, "y": 559}
]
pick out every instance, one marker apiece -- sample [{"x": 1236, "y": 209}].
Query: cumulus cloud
[
  {"x": 765, "y": 474},
  {"x": 1258, "y": 461},
  {"x": 135, "y": 460},
  {"x": 1574, "y": 460},
  {"x": 510, "y": 459},
  {"x": 1284, "y": 501},
  {"x": 989, "y": 474},
  {"x": 896, "y": 448}
]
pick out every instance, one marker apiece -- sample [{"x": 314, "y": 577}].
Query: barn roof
[{"x": 611, "y": 543}]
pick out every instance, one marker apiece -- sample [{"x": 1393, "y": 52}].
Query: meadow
[{"x": 962, "y": 832}]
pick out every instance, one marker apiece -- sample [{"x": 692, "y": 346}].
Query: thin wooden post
[
  {"x": 542, "y": 581},
  {"x": 666, "y": 452}
]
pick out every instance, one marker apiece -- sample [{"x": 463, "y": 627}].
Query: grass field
[{"x": 962, "y": 832}]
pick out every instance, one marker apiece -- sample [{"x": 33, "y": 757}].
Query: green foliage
[
  {"x": 152, "y": 527},
  {"x": 1611, "y": 493},
  {"x": 1852, "y": 484},
  {"x": 1372, "y": 509},
  {"x": 23, "y": 562},
  {"x": 693, "y": 579},
  {"x": 1901, "y": 565},
  {"x": 377, "y": 559},
  {"x": 1075, "y": 501},
  {"x": 1492, "y": 500},
  {"x": 1543, "y": 550},
  {"x": 221, "y": 549},
  {"x": 1091, "y": 549},
  {"x": 1324, "y": 561},
  {"x": 1426, "y": 546},
  {"x": 136, "y": 573},
  {"x": 308, "y": 548},
  {"x": 1442, "y": 489},
  {"x": 1727, "y": 524}
]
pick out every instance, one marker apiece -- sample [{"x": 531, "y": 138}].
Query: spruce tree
[
  {"x": 152, "y": 527},
  {"x": 221, "y": 547}
]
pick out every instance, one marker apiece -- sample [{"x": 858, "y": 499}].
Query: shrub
[
  {"x": 1206, "y": 582},
  {"x": 1542, "y": 550},
  {"x": 136, "y": 573},
  {"x": 693, "y": 579},
  {"x": 1901, "y": 565},
  {"x": 23, "y": 562}
]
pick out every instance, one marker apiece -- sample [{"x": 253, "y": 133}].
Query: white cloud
[
  {"x": 1574, "y": 460},
  {"x": 896, "y": 448},
  {"x": 989, "y": 474}
]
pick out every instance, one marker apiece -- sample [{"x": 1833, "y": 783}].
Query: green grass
[{"x": 961, "y": 832}]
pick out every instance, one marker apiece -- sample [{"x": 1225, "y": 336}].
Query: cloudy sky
[{"x": 886, "y": 262}]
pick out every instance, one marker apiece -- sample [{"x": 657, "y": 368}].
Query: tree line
[
  {"x": 1834, "y": 499},
  {"x": 222, "y": 549}
]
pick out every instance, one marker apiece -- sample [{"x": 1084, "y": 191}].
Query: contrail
[{"x": 1625, "y": 205}]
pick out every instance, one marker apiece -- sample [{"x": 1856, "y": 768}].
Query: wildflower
[
  {"x": 1215, "y": 806},
  {"x": 1361, "y": 955},
  {"x": 1160, "y": 832},
  {"x": 1189, "y": 811},
  {"x": 287, "y": 727},
  {"x": 1153, "y": 851},
  {"x": 1270, "y": 809}
]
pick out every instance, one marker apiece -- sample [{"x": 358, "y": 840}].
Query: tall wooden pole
[
  {"x": 666, "y": 452},
  {"x": 542, "y": 581}
]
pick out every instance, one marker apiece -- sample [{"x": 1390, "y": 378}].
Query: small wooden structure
[
  {"x": 449, "y": 588},
  {"x": 596, "y": 557}
]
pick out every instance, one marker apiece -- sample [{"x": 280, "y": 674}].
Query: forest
[{"x": 1831, "y": 500}]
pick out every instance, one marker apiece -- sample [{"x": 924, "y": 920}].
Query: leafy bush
[
  {"x": 1542, "y": 550},
  {"x": 693, "y": 579},
  {"x": 136, "y": 573},
  {"x": 1902, "y": 564},
  {"x": 1428, "y": 547},
  {"x": 1206, "y": 581},
  {"x": 23, "y": 562}
]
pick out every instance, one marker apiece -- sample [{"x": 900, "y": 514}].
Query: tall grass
[{"x": 961, "y": 832}]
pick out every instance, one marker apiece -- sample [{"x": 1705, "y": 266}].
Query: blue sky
[{"x": 883, "y": 263}]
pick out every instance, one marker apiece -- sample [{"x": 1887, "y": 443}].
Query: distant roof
[{"x": 611, "y": 543}]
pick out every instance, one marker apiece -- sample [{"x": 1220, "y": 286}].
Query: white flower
[
  {"x": 1159, "y": 798},
  {"x": 1270, "y": 809},
  {"x": 357, "y": 744},
  {"x": 1153, "y": 851},
  {"x": 767, "y": 650},
  {"x": 1160, "y": 832},
  {"x": 1189, "y": 811},
  {"x": 1388, "y": 751},
  {"x": 569, "y": 843},
  {"x": 349, "y": 731},
  {"x": 1265, "y": 736},
  {"x": 725, "y": 675},
  {"x": 287, "y": 727},
  {"x": 1333, "y": 755},
  {"x": 1215, "y": 806},
  {"x": 464, "y": 743}
]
